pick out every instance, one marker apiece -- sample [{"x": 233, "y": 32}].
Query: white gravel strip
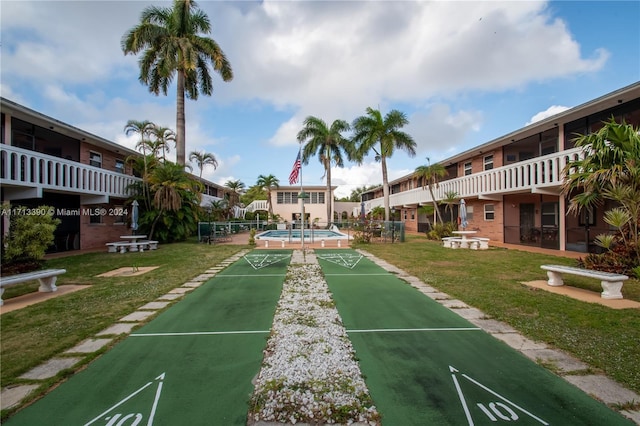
[{"x": 309, "y": 373}]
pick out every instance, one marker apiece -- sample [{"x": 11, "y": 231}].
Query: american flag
[{"x": 293, "y": 177}]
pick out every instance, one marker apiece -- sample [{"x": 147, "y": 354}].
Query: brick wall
[{"x": 96, "y": 235}]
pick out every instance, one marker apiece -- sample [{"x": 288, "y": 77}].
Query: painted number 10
[
  {"x": 128, "y": 420},
  {"x": 498, "y": 410}
]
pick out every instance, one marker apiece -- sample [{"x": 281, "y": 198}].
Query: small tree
[
  {"x": 430, "y": 176},
  {"x": 610, "y": 170},
  {"x": 29, "y": 234}
]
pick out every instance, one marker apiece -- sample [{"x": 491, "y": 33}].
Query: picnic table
[
  {"x": 133, "y": 243},
  {"x": 464, "y": 241}
]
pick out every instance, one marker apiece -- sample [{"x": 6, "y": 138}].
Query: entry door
[
  {"x": 550, "y": 220},
  {"x": 527, "y": 223}
]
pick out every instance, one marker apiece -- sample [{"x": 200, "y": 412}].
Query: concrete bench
[
  {"x": 47, "y": 279},
  {"x": 137, "y": 246},
  {"x": 484, "y": 243},
  {"x": 112, "y": 247},
  {"x": 151, "y": 245},
  {"x": 446, "y": 241},
  {"x": 611, "y": 283},
  {"x": 122, "y": 247},
  {"x": 456, "y": 242}
]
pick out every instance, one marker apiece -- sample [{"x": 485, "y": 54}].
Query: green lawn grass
[
  {"x": 491, "y": 280},
  {"x": 38, "y": 332}
]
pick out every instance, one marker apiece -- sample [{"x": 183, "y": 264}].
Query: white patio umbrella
[
  {"x": 134, "y": 216},
  {"x": 463, "y": 214}
]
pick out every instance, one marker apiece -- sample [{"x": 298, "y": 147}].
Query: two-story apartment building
[
  {"x": 286, "y": 204},
  {"x": 512, "y": 185},
  {"x": 85, "y": 178}
]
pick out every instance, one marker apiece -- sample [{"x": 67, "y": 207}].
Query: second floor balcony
[
  {"x": 542, "y": 175},
  {"x": 25, "y": 174}
]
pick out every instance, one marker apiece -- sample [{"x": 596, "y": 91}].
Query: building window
[
  {"x": 120, "y": 166},
  {"x": 467, "y": 168},
  {"x": 120, "y": 213},
  {"x": 316, "y": 198},
  {"x": 95, "y": 159},
  {"x": 469, "y": 213},
  {"x": 488, "y": 162},
  {"x": 95, "y": 217},
  {"x": 285, "y": 197},
  {"x": 489, "y": 212}
]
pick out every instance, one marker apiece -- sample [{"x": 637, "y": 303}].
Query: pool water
[{"x": 295, "y": 234}]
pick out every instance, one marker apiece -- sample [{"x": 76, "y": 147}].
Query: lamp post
[
  {"x": 393, "y": 224},
  {"x": 210, "y": 233},
  {"x": 302, "y": 196}
]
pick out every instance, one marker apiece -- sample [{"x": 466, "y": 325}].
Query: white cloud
[
  {"x": 437, "y": 130},
  {"x": 356, "y": 53},
  {"x": 552, "y": 110},
  {"x": 356, "y": 176},
  {"x": 328, "y": 59}
]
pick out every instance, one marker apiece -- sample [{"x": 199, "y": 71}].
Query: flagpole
[{"x": 302, "y": 201}]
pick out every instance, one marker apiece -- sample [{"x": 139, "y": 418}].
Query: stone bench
[
  {"x": 611, "y": 283},
  {"x": 446, "y": 241},
  {"x": 474, "y": 243},
  {"x": 137, "y": 246},
  {"x": 151, "y": 245},
  {"x": 483, "y": 243},
  {"x": 47, "y": 279}
]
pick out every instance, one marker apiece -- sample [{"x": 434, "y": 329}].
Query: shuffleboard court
[
  {"x": 424, "y": 364},
  {"x": 193, "y": 364}
]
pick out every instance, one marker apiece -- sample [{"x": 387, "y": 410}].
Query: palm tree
[
  {"x": 430, "y": 176},
  {"x": 235, "y": 187},
  {"x": 163, "y": 136},
  {"x": 202, "y": 159},
  {"x": 610, "y": 170},
  {"x": 169, "y": 184},
  {"x": 383, "y": 136},
  {"x": 449, "y": 200},
  {"x": 218, "y": 207},
  {"x": 329, "y": 145},
  {"x": 143, "y": 128},
  {"x": 267, "y": 183},
  {"x": 356, "y": 194},
  {"x": 171, "y": 45}
]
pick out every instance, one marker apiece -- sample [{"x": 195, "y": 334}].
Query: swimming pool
[{"x": 294, "y": 235}]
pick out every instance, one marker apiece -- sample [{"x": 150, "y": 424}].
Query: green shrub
[
  {"x": 441, "y": 230},
  {"x": 30, "y": 233}
]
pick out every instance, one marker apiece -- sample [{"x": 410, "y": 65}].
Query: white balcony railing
[
  {"x": 538, "y": 173},
  {"x": 207, "y": 200},
  {"x": 257, "y": 205},
  {"x": 30, "y": 169}
]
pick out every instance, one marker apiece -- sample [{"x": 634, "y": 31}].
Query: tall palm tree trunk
[
  {"x": 269, "y": 205},
  {"x": 385, "y": 188},
  {"x": 435, "y": 205},
  {"x": 329, "y": 197},
  {"x": 180, "y": 121}
]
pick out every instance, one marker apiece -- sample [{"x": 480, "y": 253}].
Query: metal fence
[{"x": 367, "y": 231}]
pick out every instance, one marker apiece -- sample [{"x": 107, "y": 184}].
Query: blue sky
[{"x": 464, "y": 72}]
